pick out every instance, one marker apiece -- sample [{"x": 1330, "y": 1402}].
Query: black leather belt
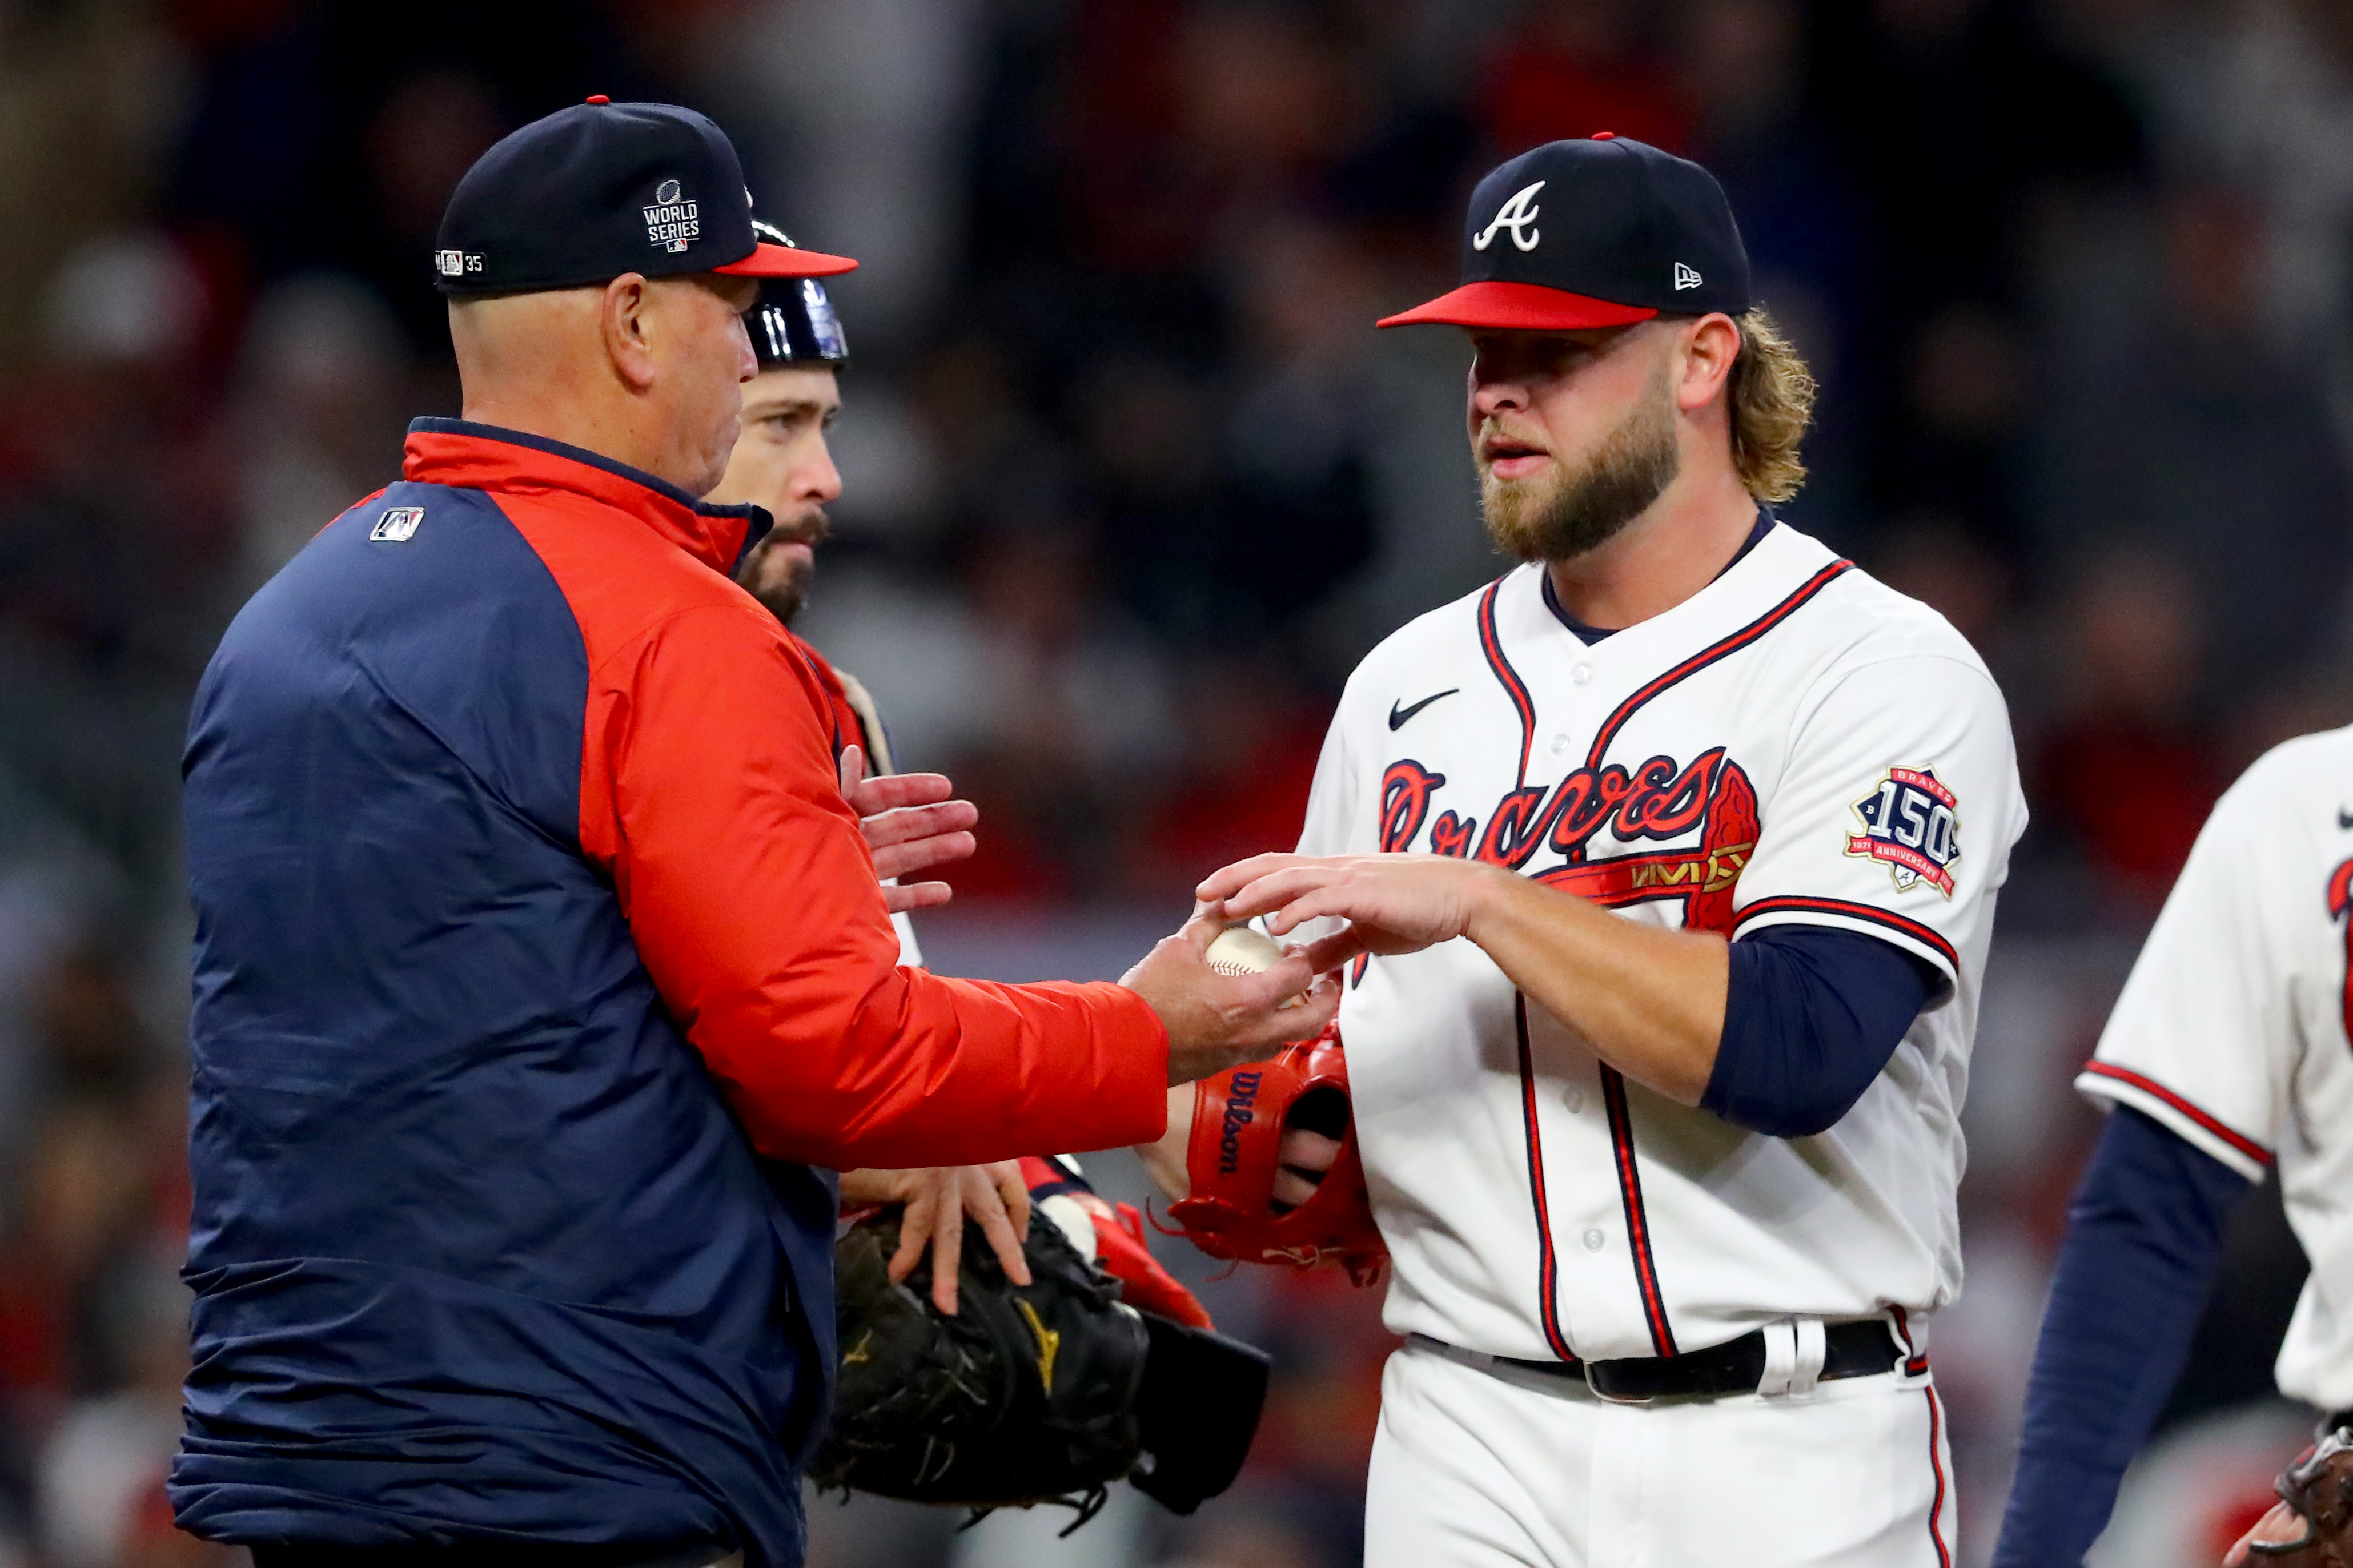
[
  {"x": 1861, "y": 1347},
  {"x": 2341, "y": 1418}
]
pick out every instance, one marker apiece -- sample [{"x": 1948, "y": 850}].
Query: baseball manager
[{"x": 541, "y": 970}]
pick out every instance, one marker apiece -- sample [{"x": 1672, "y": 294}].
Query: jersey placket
[{"x": 1596, "y": 1266}]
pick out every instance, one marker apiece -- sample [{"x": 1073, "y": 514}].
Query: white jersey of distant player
[
  {"x": 2232, "y": 1028},
  {"x": 1796, "y": 744}
]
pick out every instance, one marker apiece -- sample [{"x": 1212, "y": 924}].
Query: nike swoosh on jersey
[{"x": 1398, "y": 715}]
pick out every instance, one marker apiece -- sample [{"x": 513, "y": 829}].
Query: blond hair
[{"x": 1770, "y": 397}]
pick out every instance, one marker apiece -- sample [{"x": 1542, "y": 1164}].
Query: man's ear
[
  {"x": 628, "y": 336},
  {"x": 1712, "y": 344}
]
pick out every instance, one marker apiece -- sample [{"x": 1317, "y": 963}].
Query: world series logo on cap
[{"x": 673, "y": 222}]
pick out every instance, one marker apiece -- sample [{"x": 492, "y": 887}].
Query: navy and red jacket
[{"x": 539, "y": 965}]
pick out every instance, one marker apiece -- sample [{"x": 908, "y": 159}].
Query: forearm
[
  {"x": 925, "y": 1071},
  {"x": 1648, "y": 1001},
  {"x": 2143, "y": 1238}
]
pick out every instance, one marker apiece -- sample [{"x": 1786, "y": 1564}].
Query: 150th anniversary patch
[{"x": 1911, "y": 825}]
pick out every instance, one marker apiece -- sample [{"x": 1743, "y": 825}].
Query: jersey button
[
  {"x": 1592, "y": 1241},
  {"x": 1576, "y": 1101},
  {"x": 1559, "y": 744},
  {"x": 1581, "y": 674}
]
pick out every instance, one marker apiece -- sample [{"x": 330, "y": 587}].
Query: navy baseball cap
[
  {"x": 794, "y": 324},
  {"x": 604, "y": 188},
  {"x": 1597, "y": 233}
]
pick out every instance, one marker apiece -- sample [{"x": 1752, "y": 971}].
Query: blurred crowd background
[{"x": 1133, "y": 482}]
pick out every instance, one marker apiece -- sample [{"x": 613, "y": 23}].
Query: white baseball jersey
[
  {"x": 1794, "y": 743},
  {"x": 2232, "y": 1028}
]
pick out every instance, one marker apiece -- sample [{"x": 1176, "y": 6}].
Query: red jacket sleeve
[{"x": 708, "y": 790}]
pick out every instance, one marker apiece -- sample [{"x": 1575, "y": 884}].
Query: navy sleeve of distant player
[
  {"x": 1810, "y": 1016},
  {"x": 2143, "y": 1238}
]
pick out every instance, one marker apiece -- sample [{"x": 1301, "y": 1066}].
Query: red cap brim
[
  {"x": 787, "y": 261},
  {"x": 1519, "y": 307}
]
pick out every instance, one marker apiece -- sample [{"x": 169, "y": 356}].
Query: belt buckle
[{"x": 1604, "y": 1394}]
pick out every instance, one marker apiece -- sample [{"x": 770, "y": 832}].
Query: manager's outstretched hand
[{"x": 1217, "y": 1021}]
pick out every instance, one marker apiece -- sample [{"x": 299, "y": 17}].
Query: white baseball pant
[{"x": 1496, "y": 1467}]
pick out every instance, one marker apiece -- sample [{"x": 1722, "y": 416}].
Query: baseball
[{"x": 1241, "y": 950}]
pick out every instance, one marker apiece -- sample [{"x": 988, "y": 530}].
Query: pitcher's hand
[
  {"x": 1217, "y": 1021},
  {"x": 911, "y": 825},
  {"x": 1393, "y": 903}
]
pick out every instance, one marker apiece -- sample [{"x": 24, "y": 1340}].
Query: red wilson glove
[
  {"x": 1238, "y": 1118},
  {"x": 1112, "y": 1236}
]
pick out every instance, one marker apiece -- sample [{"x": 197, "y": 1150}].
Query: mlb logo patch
[
  {"x": 397, "y": 525},
  {"x": 1911, "y": 825}
]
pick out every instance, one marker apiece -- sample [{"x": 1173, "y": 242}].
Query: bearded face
[
  {"x": 777, "y": 573},
  {"x": 1562, "y": 511}
]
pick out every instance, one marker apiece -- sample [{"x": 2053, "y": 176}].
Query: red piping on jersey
[
  {"x": 1548, "y": 1262},
  {"x": 1514, "y": 686},
  {"x": 1698, "y": 661},
  {"x": 1870, "y": 913},
  {"x": 1936, "y": 1463},
  {"x": 2243, "y": 1143},
  {"x": 2341, "y": 900},
  {"x": 1916, "y": 1360},
  {"x": 1638, "y": 1223}
]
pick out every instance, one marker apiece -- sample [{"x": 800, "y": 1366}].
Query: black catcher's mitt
[{"x": 1044, "y": 1392}]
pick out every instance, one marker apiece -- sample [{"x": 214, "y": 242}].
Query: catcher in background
[
  {"x": 915, "y": 825},
  {"x": 2228, "y": 1054},
  {"x": 1057, "y": 1360}
]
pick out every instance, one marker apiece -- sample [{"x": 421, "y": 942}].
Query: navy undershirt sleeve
[
  {"x": 1810, "y": 1016},
  {"x": 2143, "y": 1239}
]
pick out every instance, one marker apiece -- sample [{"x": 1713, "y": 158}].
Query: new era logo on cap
[{"x": 1627, "y": 232}]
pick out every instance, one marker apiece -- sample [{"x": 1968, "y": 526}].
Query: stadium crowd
[{"x": 1131, "y": 483}]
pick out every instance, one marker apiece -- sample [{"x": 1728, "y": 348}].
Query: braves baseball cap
[
  {"x": 1598, "y": 232},
  {"x": 604, "y": 188}
]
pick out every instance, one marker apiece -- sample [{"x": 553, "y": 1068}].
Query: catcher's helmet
[{"x": 793, "y": 323}]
